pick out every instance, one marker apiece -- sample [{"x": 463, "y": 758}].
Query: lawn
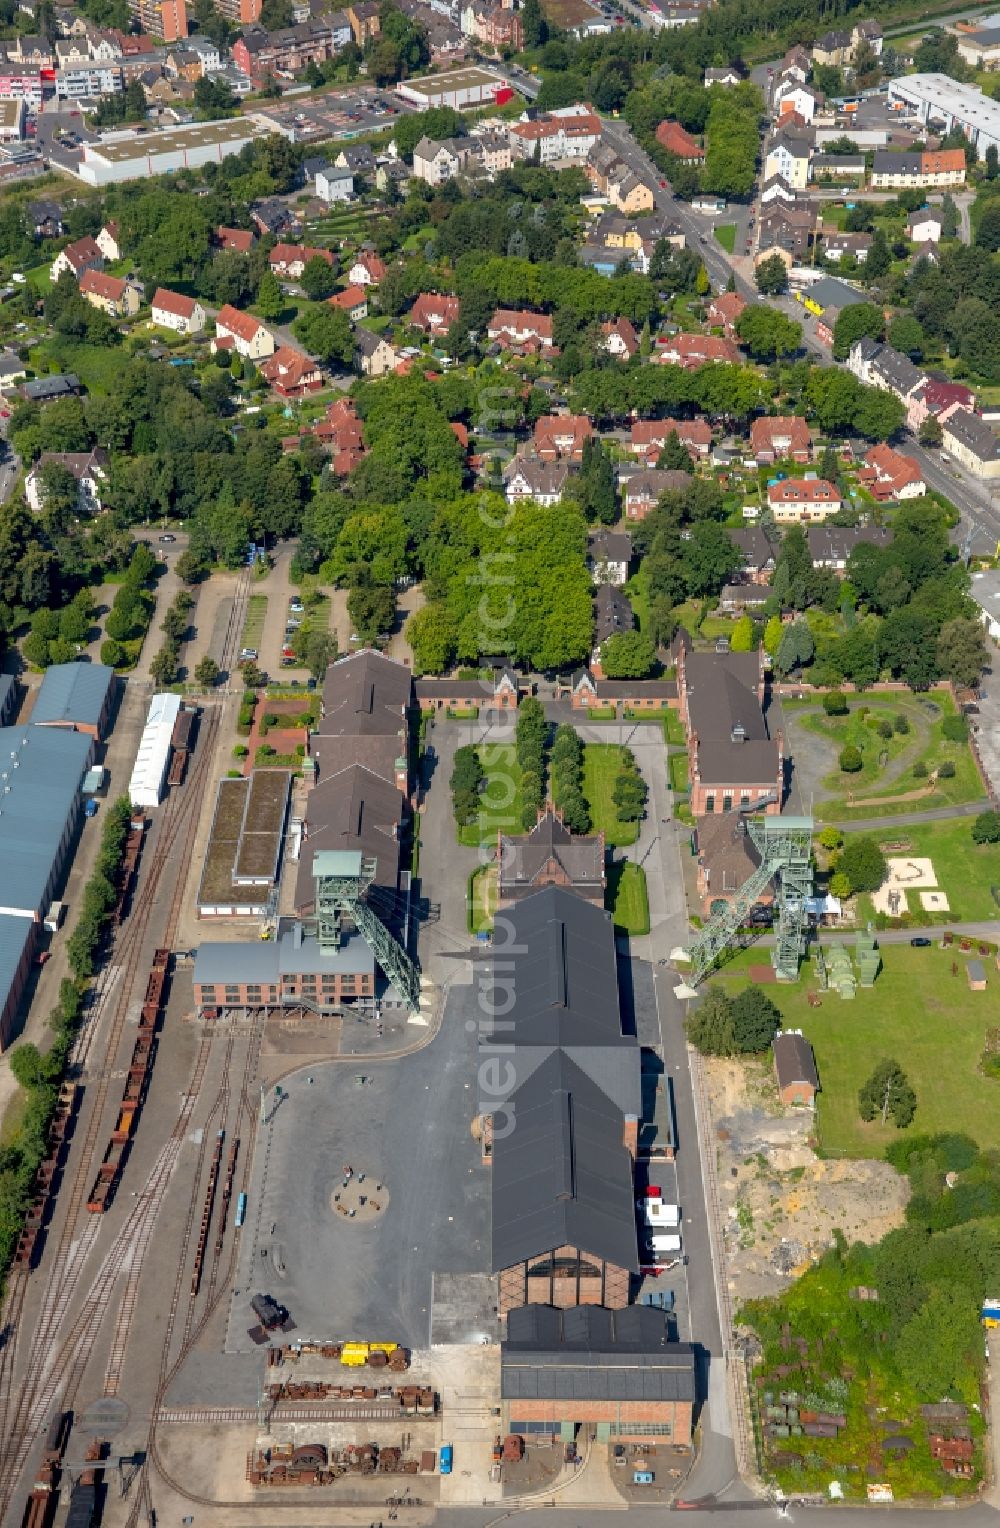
[
  {"x": 726, "y": 235},
  {"x": 919, "y": 1014},
  {"x": 482, "y": 899},
  {"x": 500, "y": 803},
  {"x": 677, "y": 769},
  {"x": 602, "y": 764},
  {"x": 673, "y": 728},
  {"x": 897, "y": 755},
  {"x": 626, "y": 898},
  {"x": 253, "y": 625},
  {"x": 965, "y": 871},
  {"x": 97, "y": 366},
  {"x": 637, "y": 590}
]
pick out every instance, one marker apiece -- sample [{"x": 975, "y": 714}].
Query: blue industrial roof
[
  {"x": 219, "y": 962},
  {"x": 14, "y": 935},
  {"x": 73, "y": 692},
  {"x": 40, "y": 773}
]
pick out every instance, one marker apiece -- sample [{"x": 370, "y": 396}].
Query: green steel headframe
[
  {"x": 342, "y": 880},
  {"x": 785, "y": 848}
]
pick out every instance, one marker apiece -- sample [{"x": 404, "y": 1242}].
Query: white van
[{"x": 665, "y": 1243}]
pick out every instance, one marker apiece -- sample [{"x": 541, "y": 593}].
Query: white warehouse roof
[
  {"x": 146, "y": 785},
  {"x": 964, "y": 106}
]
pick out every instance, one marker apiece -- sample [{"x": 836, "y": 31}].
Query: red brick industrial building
[{"x": 614, "y": 1375}]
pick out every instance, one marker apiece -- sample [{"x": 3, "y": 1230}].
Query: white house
[
  {"x": 924, "y": 226},
  {"x": 89, "y": 468},
  {"x": 334, "y": 184},
  {"x": 435, "y": 163},
  {"x": 367, "y": 270},
  {"x": 172, "y": 310},
  {"x": 107, "y": 241},
  {"x": 790, "y": 95},
  {"x": 609, "y": 554},
  {"x": 527, "y": 478},
  {"x": 985, "y": 590},
  {"x": 789, "y": 158},
  {"x": 243, "y": 333}
]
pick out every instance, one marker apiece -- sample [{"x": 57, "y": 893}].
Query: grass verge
[
  {"x": 626, "y": 898},
  {"x": 253, "y": 624}
]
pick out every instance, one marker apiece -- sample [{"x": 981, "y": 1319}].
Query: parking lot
[
  {"x": 336, "y": 114},
  {"x": 407, "y": 1128}
]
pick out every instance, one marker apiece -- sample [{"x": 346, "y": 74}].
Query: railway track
[
  {"x": 46, "y": 1368},
  {"x": 234, "y": 625},
  {"x": 220, "y": 1274},
  {"x": 203, "y": 1414}
]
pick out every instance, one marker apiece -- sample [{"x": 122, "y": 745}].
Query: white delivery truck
[
  {"x": 666, "y": 1244},
  {"x": 658, "y": 1213}
]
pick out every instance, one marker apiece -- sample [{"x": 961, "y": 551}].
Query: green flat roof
[{"x": 337, "y": 862}]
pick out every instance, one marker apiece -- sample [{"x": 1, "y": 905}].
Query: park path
[
  {"x": 913, "y": 819},
  {"x": 895, "y": 769}
]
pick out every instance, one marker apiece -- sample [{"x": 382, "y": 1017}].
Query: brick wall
[{"x": 676, "y": 1414}]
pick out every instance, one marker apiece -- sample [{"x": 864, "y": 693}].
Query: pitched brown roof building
[
  {"x": 795, "y": 1067},
  {"x": 676, "y": 140},
  {"x": 550, "y": 855},
  {"x": 733, "y": 761}
]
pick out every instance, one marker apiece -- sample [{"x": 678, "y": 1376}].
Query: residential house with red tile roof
[
  {"x": 434, "y": 313},
  {"x": 780, "y": 437},
  {"x": 82, "y": 255},
  {"x": 649, "y": 436},
  {"x": 116, "y": 298},
  {"x": 288, "y": 261},
  {"x": 238, "y": 241},
  {"x": 367, "y": 269},
  {"x": 938, "y": 397},
  {"x": 677, "y": 141},
  {"x": 517, "y": 329},
  {"x": 290, "y": 373},
  {"x": 795, "y": 501},
  {"x": 693, "y": 350},
  {"x": 561, "y": 437},
  {"x": 724, "y": 312},
  {"x": 889, "y": 474},
  {"x": 620, "y": 338},
  {"x": 353, "y": 301},
  {"x": 108, "y": 240},
  {"x": 569, "y": 132},
  {"x": 172, "y": 310},
  {"x": 243, "y": 333}
]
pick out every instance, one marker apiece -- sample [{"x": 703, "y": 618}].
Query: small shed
[
  {"x": 975, "y": 973},
  {"x": 795, "y": 1067}
]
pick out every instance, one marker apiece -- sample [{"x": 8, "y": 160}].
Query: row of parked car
[{"x": 296, "y": 612}]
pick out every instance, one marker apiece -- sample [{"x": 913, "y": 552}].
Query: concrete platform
[{"x": 409, "y": 1129}]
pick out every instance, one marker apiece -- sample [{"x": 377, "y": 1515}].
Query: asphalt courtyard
[{"x": 407, "y": 1129}]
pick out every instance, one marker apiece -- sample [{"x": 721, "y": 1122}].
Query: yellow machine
[{"x": 355, "y": 1354}]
